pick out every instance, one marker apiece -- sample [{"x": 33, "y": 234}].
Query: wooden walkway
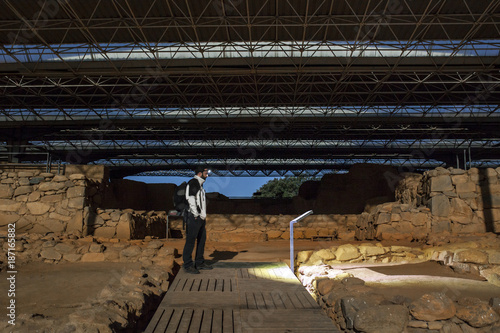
[{"x": 239, "y": 298}]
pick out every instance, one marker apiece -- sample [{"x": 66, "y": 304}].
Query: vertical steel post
[{"x": 292, "y": 257}]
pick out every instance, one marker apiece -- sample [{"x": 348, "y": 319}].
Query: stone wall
[
  {"x": 355, "y": 306},
  {"x": 46, "y": 202},
  {"x": 41, "y": 202},
  {"x": 126, "y": 223},
  {"x": 439, "y": 203}
]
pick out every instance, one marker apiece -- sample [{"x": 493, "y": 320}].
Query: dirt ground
[{"x": 53, "y": 290}]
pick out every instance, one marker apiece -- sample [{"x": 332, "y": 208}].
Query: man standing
[{"x": 195, "y": 222}]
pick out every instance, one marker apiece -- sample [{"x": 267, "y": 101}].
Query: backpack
[{"x": 180, "y": 202}]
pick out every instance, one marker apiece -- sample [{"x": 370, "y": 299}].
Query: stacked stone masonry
[
  {"x": 355, "y": 307},
  {"x": 439, "y": 202}
]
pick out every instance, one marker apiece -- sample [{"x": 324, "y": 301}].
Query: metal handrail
[{"x": 297, "y": 219}]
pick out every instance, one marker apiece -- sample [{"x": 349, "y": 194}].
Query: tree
[{"x": 286, "y": 187}]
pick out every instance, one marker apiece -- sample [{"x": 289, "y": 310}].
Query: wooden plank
[
  {"x": 174, "y": 321},
  {"x": 204, "y": 284},
  {"x": 295, "y": 301},
  {"x": 251, "y": 297},
  {"x": 196, "y": 285},
  {"x": 276, "y": 296},
  {"x": 217, "y": 321},
  {"x": 188, "y": 285},
  {"x": 196, "y": 320},
  {"x": 206, "y": 324},
  {"x": 208, "y": 299},
  {"x": 211, "y": 285},
  {"x": 175, "y": 284},
  {"x": 307, "y": 300},
  {"x": 227, "y": 285},
  {"x": 268, "y": 300},
  {"x": 237, "y": 321},
  {"x": 259, "y": 299},
  {"x": 219, "y": 284},
  {"x": 227, "y": 321},
  {"x": 286, "y": 301},
  {"x": 272, "y": 274},
  {"x": 250, "y": 300},
  {"x": 180, "y": 285},
  {"x": 159, "y": 321},
  {"x": 265, "y": 273},
  {"x": 185, "y": 321}
]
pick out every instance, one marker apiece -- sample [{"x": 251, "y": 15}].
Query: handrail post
[{"x": 292, "y": 257}]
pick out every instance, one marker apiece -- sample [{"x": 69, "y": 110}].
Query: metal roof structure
[{"x": 261, "y": 87}]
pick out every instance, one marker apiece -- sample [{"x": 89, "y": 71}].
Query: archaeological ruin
[{"x": 383, "y": 115}]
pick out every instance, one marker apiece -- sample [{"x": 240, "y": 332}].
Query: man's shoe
[
  {"x": 204, "y": 266},
  {"x": 191, "y": 270}
]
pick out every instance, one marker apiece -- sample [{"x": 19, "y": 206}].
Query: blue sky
[{"x": 229, "y": 186}]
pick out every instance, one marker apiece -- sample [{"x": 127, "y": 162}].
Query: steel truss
[{"x": 272, "y": 87}]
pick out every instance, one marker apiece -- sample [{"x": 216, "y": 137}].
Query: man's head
[{"x": 201, "y": 171}]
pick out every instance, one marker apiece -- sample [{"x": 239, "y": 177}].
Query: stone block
[
  {"x": 419, "y": 219},
  {"x": 52, "y": 198},
  {"x": 36, "y": 180},
  {"x": 7, "y": 205},
  {"x": 326, "y": 254},
  {"x": 93, "y": 257},
  {"x": 51, "y": 186},
  {"x": 440, "y": 205},
  {"x": 431, "y": 307},
  {"x": 76, "y": 223},
  {"x": 382, "y": 318},
  {"x": 347, "y": 252},
  {"x": 34, "y": 196},
  {"x": 6, "y": 191},
  {"x": 50, "y": 253},
  {"x": 471, "y": 256},
  {"x": 59, "y": 178},
  {"x": 466, "y": 187},
  {"x": 441, "y": 183},
  {"x": 371, "y": 250},
  {"x": 274, "y": 234},
  {"x": 77, "y": 203},
  {"x": 72, "y": 257},
  {"x": 459, "y": 179},
  {"x": 53, "y": 225},
  {"x": 106, "y": 232},
  {"x": 440, "y": 225},
  {"x": 460, "y": 207},
  {"x": 123, "y": 230},
  {"x": 64, "y": 248},
  {"x": 60, "y": 217},
  {"x": 383, "y": 218},
  {"x": 76, "y": 191},
  {"x": 38, "y": 208},
  {"x": 6, "y": 218},
  {"x": 25, "y": 223}
]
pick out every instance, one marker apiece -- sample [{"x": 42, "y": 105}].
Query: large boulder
[
  {"x": 382, "y": 319},
  {"x": 431, "y": 307}
]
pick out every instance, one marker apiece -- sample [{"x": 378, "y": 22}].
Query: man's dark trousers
[{"x": 195, "y": 233}]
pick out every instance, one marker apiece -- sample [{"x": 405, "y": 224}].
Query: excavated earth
[{"x": 50, "y": 292}]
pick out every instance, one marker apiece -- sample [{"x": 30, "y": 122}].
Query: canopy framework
[{"x": 262, "y": 87}]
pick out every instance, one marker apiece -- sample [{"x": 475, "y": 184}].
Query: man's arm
[{"x": 192, "y": 189}]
